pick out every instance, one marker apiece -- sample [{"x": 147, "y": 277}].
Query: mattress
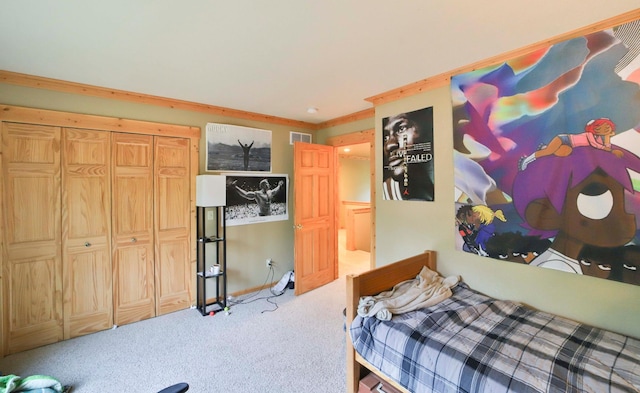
[{"x": 473, "y": 343}]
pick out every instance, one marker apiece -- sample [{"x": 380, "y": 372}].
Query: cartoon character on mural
[
  {"x": 476, "y": 227},
  {"x": 516, "y": 247},
  {"x": 598, "y": 133},
  {"x": 582, "y": 204},
  {"x": 467, "y": 228},
  {"x": 552, "y": 139},
  {"x": 486, "y": 227},
  {"x": 618, "y": 263},
  {"x": 578, "y": 219}
]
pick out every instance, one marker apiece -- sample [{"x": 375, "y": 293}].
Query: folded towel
[{"x": 427, "y": 289}]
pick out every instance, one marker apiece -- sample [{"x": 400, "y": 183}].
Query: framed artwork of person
[
  {"x": 237, "y": 148},
  {"x": 407, "y": 172},
  {"x": 256, "y": 199}
]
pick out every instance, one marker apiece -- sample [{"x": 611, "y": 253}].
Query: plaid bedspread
[{"x": 473, "y": 343}]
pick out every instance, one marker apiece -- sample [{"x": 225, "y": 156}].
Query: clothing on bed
[
  {"x": 473, "y": 343},
  {"x": 427, "y": 289}
]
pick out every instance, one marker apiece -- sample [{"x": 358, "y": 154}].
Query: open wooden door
[{"x": 315, "y": 218}]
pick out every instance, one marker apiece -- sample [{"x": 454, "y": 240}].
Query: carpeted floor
[
  {"x": 298, "y": 347},
  {"x": 295, "y": 345}
]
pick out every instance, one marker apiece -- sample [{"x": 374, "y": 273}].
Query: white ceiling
[{"x": 275, "y": 57}]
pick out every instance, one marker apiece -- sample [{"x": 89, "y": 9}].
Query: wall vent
[{"x": 299, "y": 137}]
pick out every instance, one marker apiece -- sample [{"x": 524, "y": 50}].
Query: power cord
[
  {"x": 271, "y": 273},
  {"x": 250, "y": 299}
]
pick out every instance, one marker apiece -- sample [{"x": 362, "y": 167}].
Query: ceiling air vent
[{"x": 299, "y": 137}]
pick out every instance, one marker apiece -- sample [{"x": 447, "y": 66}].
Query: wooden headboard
[{"x": 371, "y": 283}]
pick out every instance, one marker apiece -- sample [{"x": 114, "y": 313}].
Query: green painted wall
[{"x": 354, "y": 180}]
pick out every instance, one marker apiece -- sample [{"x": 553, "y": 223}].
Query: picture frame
[
  {"x": 255, "y": 199},
  {"x": 237, "y": 148}
]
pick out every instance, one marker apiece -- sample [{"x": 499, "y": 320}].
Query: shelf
[
  {"x": 215, "y": 307},
  {"x": 208, "y": 255},
  {"x": 210, "y": 239},
  {"x": 209, "y": 274}
]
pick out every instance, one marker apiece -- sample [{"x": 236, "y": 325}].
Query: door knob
[
  {"x": 87, "y": 244},
  {"x": 133, "y": 240}
]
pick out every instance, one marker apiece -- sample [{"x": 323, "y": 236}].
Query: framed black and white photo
[
  {"x": 238, "y": 148},
  {"x": 256, "y": 199},
  {"x": 407, "y": 151}
]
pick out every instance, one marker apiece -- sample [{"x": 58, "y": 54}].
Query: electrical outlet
[
  {"x": 210, "y": 215},
  {"x": 269, "y": 262}
]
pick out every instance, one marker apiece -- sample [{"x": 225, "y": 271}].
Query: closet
[{"x": 96, "y": 222}]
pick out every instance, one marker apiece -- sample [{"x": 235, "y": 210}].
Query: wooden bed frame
[{"x": 371, "y": 283}]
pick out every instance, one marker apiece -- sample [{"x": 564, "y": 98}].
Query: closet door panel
[
  {"x": 133, "y": 247},
  {"x": 86, "y": 235},
  {"x": 173, "y": 273},
  {"x": 32, "y": 267},
  {"x": 133, "y": 283}
]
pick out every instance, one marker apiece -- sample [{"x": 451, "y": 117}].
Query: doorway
[{"x": 354, "y": 256}]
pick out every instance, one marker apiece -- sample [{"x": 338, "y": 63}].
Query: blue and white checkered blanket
[{"x": 473, "y": 343}]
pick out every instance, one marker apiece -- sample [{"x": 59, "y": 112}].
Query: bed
[{"x": 472, "y": 343}]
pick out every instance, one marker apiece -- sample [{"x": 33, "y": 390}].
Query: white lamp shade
[{"x": 211, "y": 190}]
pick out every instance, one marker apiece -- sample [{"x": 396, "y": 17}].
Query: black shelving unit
[{"x": 217, "y": 254}]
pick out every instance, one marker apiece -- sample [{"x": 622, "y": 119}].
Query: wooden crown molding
[
  {"x": 444, "y": 78},
  {"x": 361, "y": 115},
  {"x": 365, "y": 136},
  {"x": 75, "y": 120},
  {"x": 39, "y": 82}
]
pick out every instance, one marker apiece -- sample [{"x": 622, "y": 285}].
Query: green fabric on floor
[{"x": 31, "y": 384}]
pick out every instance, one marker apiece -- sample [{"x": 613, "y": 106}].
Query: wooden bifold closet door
[
  {"x": 95, "y": 224},
  {"x": 151, "y": 226},
  {"x": 86, "y": 231},
  {"x": 32, "y": 254},
  {"x": 133, "y": 248},
  {"x": 172, "y": 224},
  {"x": 57, "y": 193}
]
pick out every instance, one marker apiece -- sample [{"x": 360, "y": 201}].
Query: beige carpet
[
  {"x": 281, "y": 344},
  {"x": 299, "y": 347}
]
